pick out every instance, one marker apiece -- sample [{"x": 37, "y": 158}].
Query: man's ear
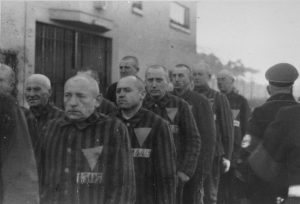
[
  {"x": 99, "y": 100},
  {"x": 269, "y": 89},
  {"x": 50, "y": 92},
  {"x": 143, "y": 94}
]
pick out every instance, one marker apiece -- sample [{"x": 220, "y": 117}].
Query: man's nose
[{"x": 73, "y": 101}]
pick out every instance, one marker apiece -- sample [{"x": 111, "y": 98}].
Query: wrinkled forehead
[
  {"x": 127, "y": 63},
  {"x": 180, "y": 70},
  {"x": 36, "y": 83},
  {"x": 79, "y": 86},
  {"x": 158, "y": 73}
]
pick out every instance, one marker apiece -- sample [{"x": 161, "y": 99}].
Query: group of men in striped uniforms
[{"x": 150, "y": 144}]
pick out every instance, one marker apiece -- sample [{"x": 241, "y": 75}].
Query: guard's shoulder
[{"x": 290, "y": 113}]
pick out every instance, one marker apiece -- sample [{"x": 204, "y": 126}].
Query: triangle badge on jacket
[
  {"x": 92, "y": 155},
  {"x": 172, "y": 113},
  {"x": 235, "y": 113},
  {"x": 142, "y": 134}
]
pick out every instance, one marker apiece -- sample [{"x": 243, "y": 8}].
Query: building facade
[{"x": 56, "y": 38}]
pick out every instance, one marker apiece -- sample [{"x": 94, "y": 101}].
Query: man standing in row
[
  {"x": 183, "y": 126},
  {"x": 182, "y": 79},
  {"x": 129, "y": 66},
  {"x": 224, "y": 131},
  {"x": 85, "y": 157},
  {"x": 152, "y": 145},
  {"x": 37, "y": 94},
  {"x": 232, "y": 189}
]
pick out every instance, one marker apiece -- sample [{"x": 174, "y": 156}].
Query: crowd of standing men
[{"x": 169, "y": 139}]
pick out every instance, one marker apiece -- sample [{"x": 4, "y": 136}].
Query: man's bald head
[
  {"x": 40, "y": 79},
  {"x": 37, "y": 90},
  {"x": 130, "y": 93},
  {"x": 81, "y": 97},
  {"x": 201, "y": 73},
  {"x": 85, "y": 82},
  {"x": 7, "y": 80},
  {"x": 135, "y": 80}
]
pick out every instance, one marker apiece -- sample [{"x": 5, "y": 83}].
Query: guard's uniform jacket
[
  {"x": 106, "y": 107},
  {"x": 46, "y": 113},
  {"x": 223, "y": 119},
  {"x": 111, "y": 92},
  {"x": 264, "y": 114},
  {"x": 261, "y": 117},
  {"x": 240, "y": 112},
  {"x": 154, "y": 156},
  {"x": 86, "y": 162},
  {"x": 203, "y": 115},
  {"x": 277, "y": 159},
  {"x": 184, "y": 129}
]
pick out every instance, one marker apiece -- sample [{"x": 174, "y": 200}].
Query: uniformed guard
[
  {"x": 152, "y": 143},
  {"x": 224, "y": 131},
  {"x": 281, "y": 78},
  {"x": 277, "y": 158},
  {"x": 182, "y": 79},
  {"x": 231, "y": 189}
]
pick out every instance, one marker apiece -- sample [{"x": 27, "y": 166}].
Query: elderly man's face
[
  {"x": 128, "y": 95},
  {"x": 201, "y": 77},
  {"x": 6, "y": 84},
  {"x": 36, "y": 93},
  {"x": 156, "y": 82},
  {"x": 80, "y": 99},
  {"x": 225, "y": 83},
  {"x": 127, "y": 68}
]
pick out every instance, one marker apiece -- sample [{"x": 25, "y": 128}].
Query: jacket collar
[
  {"x": 202, "y": 89},
  {"x": 149, "y": 101},
  {"x": 41, "y": 110},
  {"x": 92, "y": 119},
  {"x": 282, "y": 97}
]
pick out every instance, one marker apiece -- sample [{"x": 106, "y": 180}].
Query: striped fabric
[
  {"x": 106, "y": 107},
  {"x": 45, "y": 114},
  {"x": 86, "y": 162},
  {"x": 184, "y": 129},
  {"x": 203, "y": 115},
  {"x": 223, "y": 118},
  {"x": 154, "y": 157},
  {"x": 32, "y": 126},
  {"x": 240, "y": 111}
]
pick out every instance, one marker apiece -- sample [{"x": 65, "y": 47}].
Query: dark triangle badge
[
  {"x": 172, "y": 113},
  {"x": 235, "y": 113},
  {"x": 142, "y": 134},
  {"x": 92, "y": 155}
]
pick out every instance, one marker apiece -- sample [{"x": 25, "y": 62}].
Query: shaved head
[
  {"x": 37, "y": 90},
  {"x": 137, "y": 81},
  {"x": 40, "y": 79},
  {"x": 81, "y": 97},
  {"x": 85, "y": 81}
]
